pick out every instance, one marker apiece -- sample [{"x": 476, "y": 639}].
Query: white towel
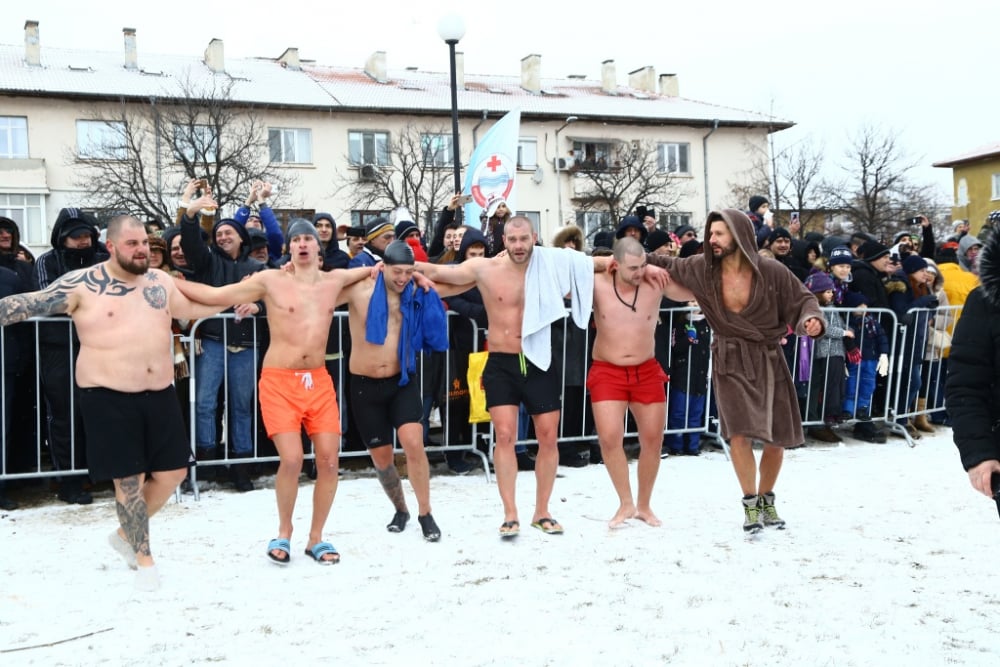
[{"x": 552, "y": 274}]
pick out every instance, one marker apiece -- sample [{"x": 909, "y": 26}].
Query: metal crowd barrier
[{"x": 21, "y": 460}]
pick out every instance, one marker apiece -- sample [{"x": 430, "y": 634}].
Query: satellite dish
[{"x": 537, "y": 176}]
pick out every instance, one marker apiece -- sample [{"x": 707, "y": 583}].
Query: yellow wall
[{"x": 978, "y": 177}]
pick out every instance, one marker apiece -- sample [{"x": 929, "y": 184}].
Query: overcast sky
[{"x": 923, "y": 69}]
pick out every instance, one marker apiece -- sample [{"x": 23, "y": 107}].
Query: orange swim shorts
[
  {"x": 290, "y": 398},
  {"x": 634, "y": 384}
]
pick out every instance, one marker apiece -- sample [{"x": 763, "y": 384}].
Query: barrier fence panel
[
  {"x": 680, "y": 343},
  {"x": 39, "y": 406}
]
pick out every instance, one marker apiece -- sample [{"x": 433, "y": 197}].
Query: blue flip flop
[
  {"x": 320, "y": 549},
  {"x": 279, "y": 544}
]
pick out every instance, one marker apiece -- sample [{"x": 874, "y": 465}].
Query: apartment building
[{"x": 327, "y": 127}]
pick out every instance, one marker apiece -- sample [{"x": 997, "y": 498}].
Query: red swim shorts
[
  {"x": 633, "y": 384},
  {"x": 292, "y": 397}
]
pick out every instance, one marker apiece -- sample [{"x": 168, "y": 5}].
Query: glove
[
  {"x": 854, "y": 356},
  {"x": 883, "y": 365},
  {"x": 932, "y": 302}
]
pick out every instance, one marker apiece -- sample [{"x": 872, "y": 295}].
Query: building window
[
  {"x": 962, "y": 194},
  {"x": 592, "y": 222},
  {"x": 101, "y": 140},
  {"x": 195, "y": 143},
  {"x": 290, "y": 145},
  {"x": 673, "y": 158},
  {"x": 368, "y": 148},
  {"x": 527, "y": 153},
  {"x": 27, "y": 211},
  {"x": 13, "y": 136},
  {"x": 536, "y": 219},
  {"x": 675, "y": 220},
  {"x": 362, "y": 218},
  {"x": 996, "y": 187},
  {"x": 436, "y": 149},
  {"x": 592, "y": 155}
]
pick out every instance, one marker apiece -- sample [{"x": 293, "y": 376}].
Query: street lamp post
[
  {"x": 570, "y": 119},
  {"x": 451, "y": 29}
]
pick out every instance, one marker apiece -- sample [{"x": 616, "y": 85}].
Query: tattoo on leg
[
  {"x": 389, "y": 478},
  {"x": 133, "y": 515}
]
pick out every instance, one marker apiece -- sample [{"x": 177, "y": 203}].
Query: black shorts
[
  {"x": 133, "y": 433},
  {"x": 510, "y": 379},
  {"x": 379, "y": 405}
]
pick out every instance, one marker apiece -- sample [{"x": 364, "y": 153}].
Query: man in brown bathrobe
[{"x": 749, "y": 301}]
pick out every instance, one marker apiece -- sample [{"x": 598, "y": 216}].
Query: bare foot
[
  {"x": 648, "y": 516},
  {"x": 624, "y": 513}
]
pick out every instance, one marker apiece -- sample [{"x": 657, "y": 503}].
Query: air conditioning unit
[
  {"x": 368, "y": 172},
  {"x": 564, "y": 163}
]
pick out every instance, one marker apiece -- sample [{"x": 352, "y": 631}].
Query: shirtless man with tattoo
[
  {"x": 135, "y": 431},
  {"x": 295, "y": 387},
  {"x": 625, "y": 374},
  {"x": 385, "y": 394}
]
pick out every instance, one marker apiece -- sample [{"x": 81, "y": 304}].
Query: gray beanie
[{"x": 298, "y": 226}]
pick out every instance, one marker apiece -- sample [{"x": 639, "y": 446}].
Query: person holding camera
[{"x": 972, "y": 389}]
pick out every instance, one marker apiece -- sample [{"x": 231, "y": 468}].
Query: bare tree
[
  {"x": 876, "y": 194},
  {"x": 634, "y": 177},
  {"x": 800, "y": 167},
  {"x": 145, "y": 154},
  {"x": 754, "y": 179},
  {"x": 418, "y": 174}
]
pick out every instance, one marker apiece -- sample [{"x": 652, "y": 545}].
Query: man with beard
[
  {"x": 75, "y": 245},
  {"x": 626, "y": 376},
  {"x": 122, "y": 312},
  {"x": 749, "y": 301},
  {"x": 379, "y": 233}
]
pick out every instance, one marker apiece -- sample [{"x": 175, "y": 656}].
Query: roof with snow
[
  {"x": 981, "y": 153},
  {"x": 269, "y": 82}
]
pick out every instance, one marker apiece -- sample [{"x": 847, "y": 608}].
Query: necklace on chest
[{"x": 635, "y": 297}]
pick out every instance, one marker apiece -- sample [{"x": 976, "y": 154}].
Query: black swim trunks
[
  {"x": 380, "y": 405},
  {"x": 133, "y": 433},
  {"x": 510, "y": 379}
]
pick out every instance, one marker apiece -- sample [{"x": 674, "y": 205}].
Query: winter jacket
[
  {"x": 972, "y": 389},
  {"x": 275, "y": 239},
  {"x": 211, "y": 266},
  {"x": 55, "y": 263},
  {"x": 333, "y": 256},
  {"x": 8, "y": 260}
]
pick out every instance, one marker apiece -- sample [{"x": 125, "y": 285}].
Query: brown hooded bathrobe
[{"x": 753, "y": 387}]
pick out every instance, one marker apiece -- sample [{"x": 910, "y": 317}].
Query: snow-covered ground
[{"x": 890, "y": 558}]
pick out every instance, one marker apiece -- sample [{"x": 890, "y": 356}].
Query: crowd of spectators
[{"x": 875, "y": 292}]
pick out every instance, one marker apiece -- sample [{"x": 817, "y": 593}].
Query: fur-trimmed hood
[
  {"x": 989, "y": 270},
  {"x": 565, "y": 234}
]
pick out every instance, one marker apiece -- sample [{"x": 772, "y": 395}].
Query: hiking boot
[
  {"x": 241, "y": 477},
  {"x": 768, "y": 513},
  {"x": 71, "y": 491},
  {"x": 868, "y": 432},
  {"x": 751, "y": 510},
  {"x": 823, "y": 434}
]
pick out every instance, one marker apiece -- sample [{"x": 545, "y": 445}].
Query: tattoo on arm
[
  {"x": 133, "y": 514},
  {"x": 54, "y": 299},
  {"x": 389, "y": 479}
]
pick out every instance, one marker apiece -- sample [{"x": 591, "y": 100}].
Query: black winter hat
[
  {"x": 756, "y": 202},
  {"x": 657, "y": 239}
]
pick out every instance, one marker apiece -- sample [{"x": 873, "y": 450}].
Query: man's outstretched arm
[
  {"x": 453, "y": 274},
  {"x": 57, "y": 299}
]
